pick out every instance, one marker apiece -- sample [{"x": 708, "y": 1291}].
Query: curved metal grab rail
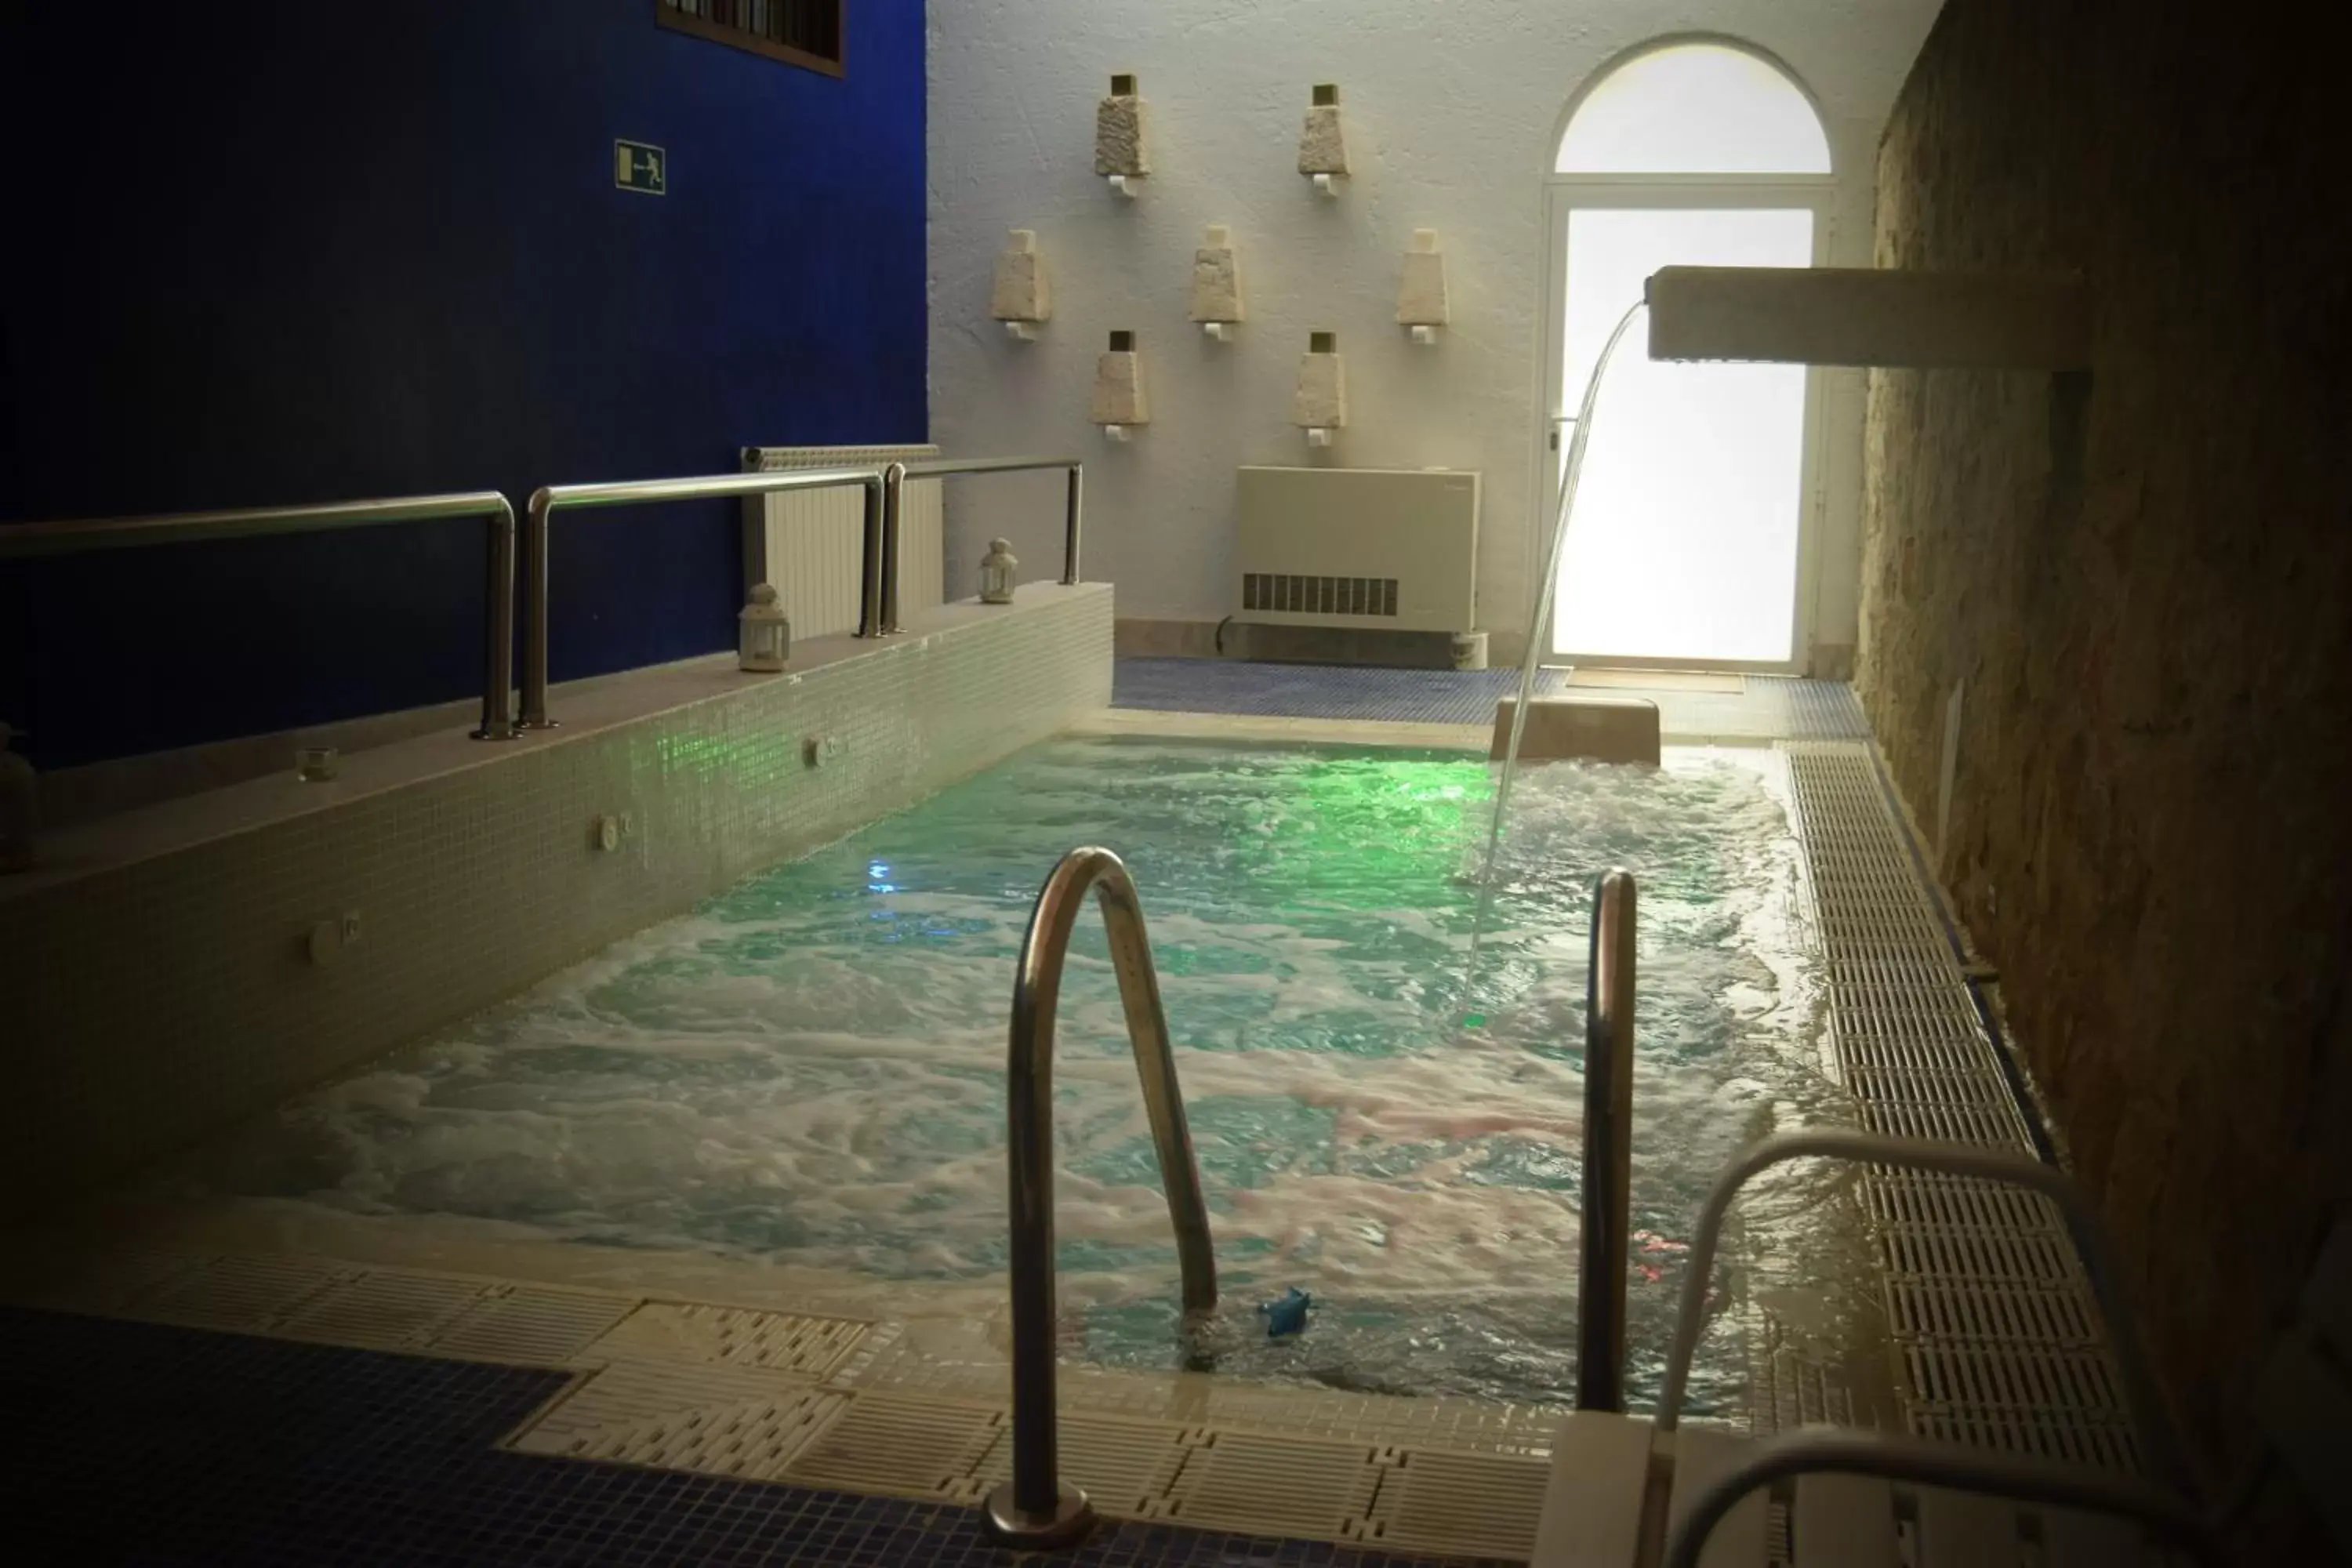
[
  {"x": 548, "y": 498},
  {"x": 75, "y": 535},
  {"x": 1952, "y": 1160},
  {"x": 1033, "y": 1509},
  {"x": 1072, "y": 514},
  {"x": 1812, "y": 1450},
  {"x": 1608, "y": 1147}
]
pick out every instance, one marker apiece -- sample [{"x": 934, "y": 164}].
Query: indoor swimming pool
[{"x": 807, "y": 1070}]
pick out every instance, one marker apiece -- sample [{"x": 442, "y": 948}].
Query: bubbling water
[{"x": 809, "y": 1067}]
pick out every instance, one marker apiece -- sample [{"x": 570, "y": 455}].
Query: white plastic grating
[
  {"x": 1997, "y": 1339},
  {"x": 531, "y": 1325},
  {"x": 102, "y": 1283},
  {"x": 1276, "y": 1485},
  {"x": 243, "y": 1294},
  {"x": 717, "y": 1421},
  {"x": 813, "y": 1347},
  {"x": 1474, "y": 1505},
  {"x": 380, "y": 1311},
  {"x": 1125, "y": 1466},
  {"x": 902, "y": 1447}
]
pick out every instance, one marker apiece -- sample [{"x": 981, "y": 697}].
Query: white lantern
[
  {"x": 765, "y": 636},
  {"x": 996, "y": 570}
]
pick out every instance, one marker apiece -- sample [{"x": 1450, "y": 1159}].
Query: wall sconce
[
  {"x": 1319, "y": 407},
  {"x": 1118, "y": 404},
  {"x": 1422, "y": 303},
  {"x": 1021, "y": 298},
  {"x": 1322, "y": 149},
  {"x": 1217, "y": 284},
  {"x": 1120, "y": 155}
]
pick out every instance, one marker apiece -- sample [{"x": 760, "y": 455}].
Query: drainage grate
[
  {"x": 1276, "y": 1485},
  {"x": 243, "y": 1294},
  {"x": 1125, "y": 1466},
  {"x": 812, "y": 1347},
  {"x": 531, "y": 1325},
  {"x": 1997, "y": 1335},
  {"x": 383, "y": 1311},
  {"x": 904, "y": 1447},
  {"x": 1460, "y": 1505},
  {"x": 722, "y": 1422},
  {"x": 103, "y": 1283}
]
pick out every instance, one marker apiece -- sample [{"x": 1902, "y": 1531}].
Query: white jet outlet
[
  {"x": 610, "y": 831},
  {"x": 820, "y": 749}
]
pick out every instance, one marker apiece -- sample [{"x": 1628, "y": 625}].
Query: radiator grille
[
  {"x": 810, "y": 544},
  {"x": 1304, "y": 596}
]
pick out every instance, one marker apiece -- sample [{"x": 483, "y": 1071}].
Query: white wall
[{"x": 1452, "y": 108}]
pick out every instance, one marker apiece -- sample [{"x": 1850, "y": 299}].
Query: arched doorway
[{"x": 1693, "y": 539}]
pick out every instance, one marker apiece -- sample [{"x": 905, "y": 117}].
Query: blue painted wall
[{"x": 266, "y": 252}]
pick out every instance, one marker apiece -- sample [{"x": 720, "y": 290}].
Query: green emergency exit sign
[{"x": 640, "y": 166}]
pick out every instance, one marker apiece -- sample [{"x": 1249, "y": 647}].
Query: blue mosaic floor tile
[{"x": 143, "y": 1443}]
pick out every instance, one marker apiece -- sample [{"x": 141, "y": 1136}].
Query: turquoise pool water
[{"x": 809, "y": 1067}]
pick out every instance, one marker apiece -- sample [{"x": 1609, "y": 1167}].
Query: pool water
[{"x": 809, "y": 1067}]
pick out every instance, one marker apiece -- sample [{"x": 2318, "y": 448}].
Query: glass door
[{"x": 1689, "y": 545}]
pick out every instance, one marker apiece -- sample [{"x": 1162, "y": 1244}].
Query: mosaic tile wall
[{"x": 148, "y": 1005}]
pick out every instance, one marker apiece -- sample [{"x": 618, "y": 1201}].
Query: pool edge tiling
[
  {"x": 256, "y": 1450},
  {"x": 797, "y": 1401}
]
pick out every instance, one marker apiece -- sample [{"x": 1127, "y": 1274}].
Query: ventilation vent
[{"x": 1319, "y": 596}]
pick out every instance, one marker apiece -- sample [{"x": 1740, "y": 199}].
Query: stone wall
[{"x": 2141, "y": 582}]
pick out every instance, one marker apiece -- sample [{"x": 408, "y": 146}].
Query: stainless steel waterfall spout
[
  {"x": 1608, "y": 1148},
  {"x": 1034, "y": 1508}
]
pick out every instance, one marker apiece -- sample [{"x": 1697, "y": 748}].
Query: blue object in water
[{"x": 1289, "y": 1315}]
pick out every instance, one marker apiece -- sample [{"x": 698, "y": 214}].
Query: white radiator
[
  {"x": 810, "y": 544},
  {"x": 1391, "y": 549}
]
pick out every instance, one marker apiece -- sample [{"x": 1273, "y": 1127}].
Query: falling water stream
[{"x": 1547, "y": 587}]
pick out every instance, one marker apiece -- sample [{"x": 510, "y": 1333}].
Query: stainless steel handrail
[
  {"x": 548, "y": 498},
  {"x": 1812, "y": 1450},
  {"x": 2146, "y": 1409},
  {"x": 70, "y": 537},
  {"x": 1034, "y": 1508},
  {"x": 1608, "y": 1147},
  {"x": 1074, "y": 506}
]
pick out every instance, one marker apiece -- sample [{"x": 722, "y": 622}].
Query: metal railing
[
  {"x": 2141, "y": 1401},
  {"x": 1034, "y": 1508},
  {"x": 878, "y": 598},
  {"x": 549, "y": 499},
  {"x": 1815, "y": 1451},
  {"x": 71, "y": 537},
  {"x": 1074, "y": 506},
  {"x": 1608, "y": 1147}
]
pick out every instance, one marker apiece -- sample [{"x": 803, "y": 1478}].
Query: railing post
[
  {"x": 498, "y": 613},
  {"x": 1071, "y": 521},
  {"x": 534, "y": 611},
  {"x": 1034, "y": 1508},
  {"x": 1608, "y": 1147},
  {"x": 894, "y": 496},
  {"x": 869, "y": 561}
]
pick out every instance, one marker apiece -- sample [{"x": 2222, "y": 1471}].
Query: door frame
[{"x": 1563, "y": 194}]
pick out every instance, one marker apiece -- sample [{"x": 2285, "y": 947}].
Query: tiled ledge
[{"x": 581, "y": 709}]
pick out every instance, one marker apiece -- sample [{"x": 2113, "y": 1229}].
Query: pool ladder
[{"x": 1034, "y": 1508}]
